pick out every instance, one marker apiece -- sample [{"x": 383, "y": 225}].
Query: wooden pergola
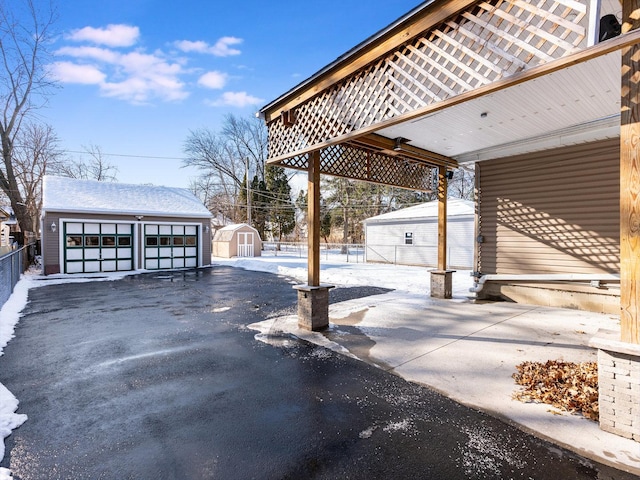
[{"x": 348, "y": 119}]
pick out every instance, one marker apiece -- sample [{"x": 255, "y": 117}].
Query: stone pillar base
[
  {"x": 441, "y": 283},
  {"x": 618, "y": 384},
  {"x": 313, "y": 306}
]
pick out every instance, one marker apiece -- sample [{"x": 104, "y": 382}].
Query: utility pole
[{"x": 246, "y": 162}]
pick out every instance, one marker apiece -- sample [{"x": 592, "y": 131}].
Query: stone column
[
  {"x": 441, "y": 283},
  {"x": 618, "y": 384},
  {"x": 313, "y": 306}
]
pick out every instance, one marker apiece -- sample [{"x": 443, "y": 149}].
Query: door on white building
[{"x": 245, "y": 244}]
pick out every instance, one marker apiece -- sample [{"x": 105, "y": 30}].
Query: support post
[
  {"x": 442, "y": 218},
  {"x": 441, "y": 279},
  {"x": 313, "y": 299},
  {"x": 313, "y": 214},
  {"x": 619, "y": 352},
  {"x": 630, "y": 180}
]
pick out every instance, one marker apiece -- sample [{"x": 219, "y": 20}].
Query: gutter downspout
[{"x": 595, "y": 279}]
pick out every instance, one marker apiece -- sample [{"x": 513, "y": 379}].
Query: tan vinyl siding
[
  {"x": 551, "y": 212},
  {"x": 50, "y": 241}
]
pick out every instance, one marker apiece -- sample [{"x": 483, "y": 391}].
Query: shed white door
[
  {"x": 245, "y": 244},
  {"x": 97, "y": 247},
  {"x": 170, "y": 246}
]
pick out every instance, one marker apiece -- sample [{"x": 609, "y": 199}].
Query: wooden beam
[
  {"x": 313, "y": 209},
  {"x": 388, "y": 147},
  {"x": 630, "y": 180},
  {"x": 442, "y": 218}
]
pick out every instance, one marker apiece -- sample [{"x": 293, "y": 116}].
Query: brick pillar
[
  {"x": 441, "y": 283},
  {"x": 313, "y": 306},
  {"x": 618, "y": 385}
]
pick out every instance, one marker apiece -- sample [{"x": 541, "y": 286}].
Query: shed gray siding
[{"x": 385, "y": 241}]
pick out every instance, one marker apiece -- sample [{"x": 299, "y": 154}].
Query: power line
[{"x": 125, "y": 155}]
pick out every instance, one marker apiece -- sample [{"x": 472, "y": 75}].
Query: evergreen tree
[
  {"x": 281, "y": 211},
  {"x": 259, "y": 204}
]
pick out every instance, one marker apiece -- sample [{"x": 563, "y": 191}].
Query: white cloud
[
  {"x": 222, "y": 48},
  {"x": 189, "y": 46},
  {"x": 133, "y": 75},
  {"x": 112, "y": 35},
  {"x": 140, "y": 90},
  {"x": 136, "y": 76},
  {"x": 235, "y": 99},
  {"x": 95, "y": 53},
  {"x": 214, "y": 80},
  {"x": 67, "y": 72},
  {"x": 146, "y": 77}
]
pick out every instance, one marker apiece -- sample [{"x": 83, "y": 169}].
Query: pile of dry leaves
[{"x": 572, "y": 387}]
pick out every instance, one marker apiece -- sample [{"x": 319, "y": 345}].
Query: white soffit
[{"x": 578, "y": 104}]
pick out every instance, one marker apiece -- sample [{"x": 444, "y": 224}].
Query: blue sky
[{"x": 138, "y": 75}]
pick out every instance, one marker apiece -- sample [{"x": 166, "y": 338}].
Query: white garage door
[
  {"x": 98, "y": 247},
  {"x": 170, "y": 246}
]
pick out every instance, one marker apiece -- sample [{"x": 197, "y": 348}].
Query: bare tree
[
  {"x": 462, "y": 185},
  {"x": 212, "y": 153},
  {"x": 224, "y": 159},
  {"x": 96, "y": 168},
  {"x": 35, "y": 154},
  {"x": 25, "y": 31},
  {"x": 248, "y": 139},
  {"x": 217, "y": 199}
]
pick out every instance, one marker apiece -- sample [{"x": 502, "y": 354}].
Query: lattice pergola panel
[
  {"x": 487, "y": 42},
  {"x": 348, "y": 161}
]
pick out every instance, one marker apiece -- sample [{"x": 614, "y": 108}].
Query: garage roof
[
  {"x": 62, "y": 194},
  {"x": 455, "y": 207}
]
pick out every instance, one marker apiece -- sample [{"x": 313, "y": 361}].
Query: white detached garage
[
  {"x": 90, "y": 226},
  {"x": 410, "y": 236}
]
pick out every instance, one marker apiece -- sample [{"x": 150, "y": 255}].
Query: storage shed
[
  {"x": 410, "y": 236},
  {"x": 90, "y": 226},
  {"x": 238, "y": 240}
]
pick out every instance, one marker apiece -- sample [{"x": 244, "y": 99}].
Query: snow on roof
[
  {"x": 60, "y": 194},
  {"x": 455, "y": 207}
]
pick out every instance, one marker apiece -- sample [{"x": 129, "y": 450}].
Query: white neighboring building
[
  {"x": 5, "y": 228},
  {"x": 410, "y": 236}
]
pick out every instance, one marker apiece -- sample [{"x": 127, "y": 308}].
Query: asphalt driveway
[{"x": 156, "y": 376}]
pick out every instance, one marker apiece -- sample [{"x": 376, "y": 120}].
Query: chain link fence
[
  {"x": 12, "y": 264},
  {"x": 336, "y": 252}
]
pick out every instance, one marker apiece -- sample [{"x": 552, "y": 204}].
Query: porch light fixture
[
  {"x": 399, "y": 142},
  {"x": 449, "y": 174},
  {"x": 53, "y": 227}
]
